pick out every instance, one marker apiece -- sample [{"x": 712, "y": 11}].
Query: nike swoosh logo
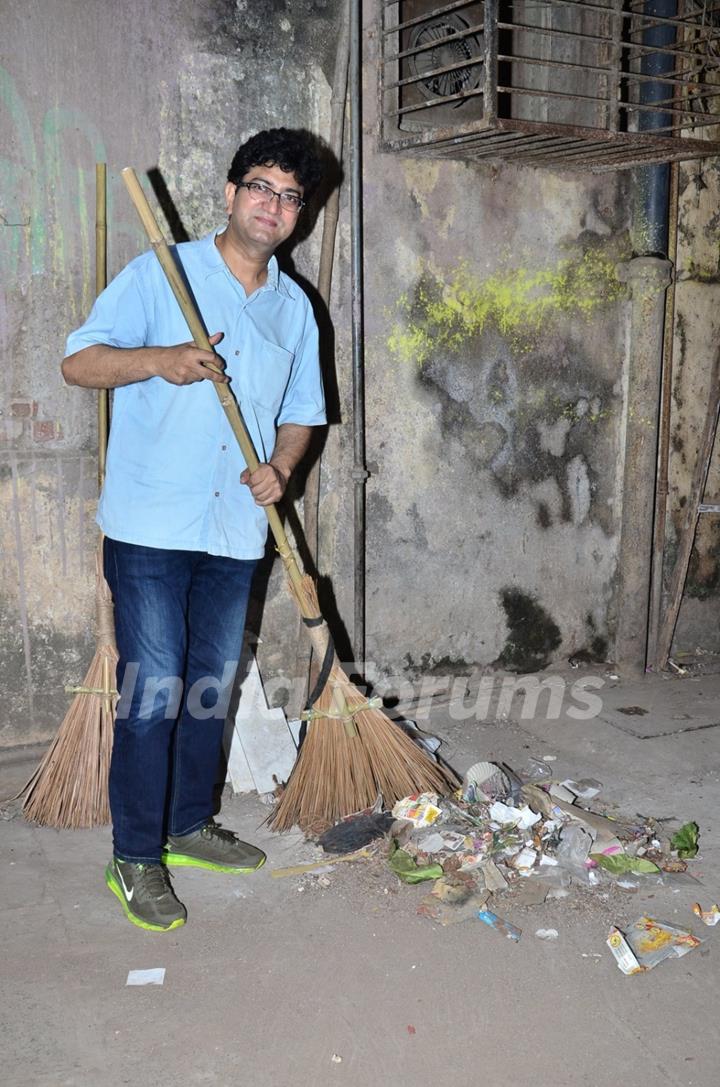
[{"x": 128, "y": 894}]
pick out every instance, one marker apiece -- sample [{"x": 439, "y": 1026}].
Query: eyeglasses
[{"x": 260, "y": 192}]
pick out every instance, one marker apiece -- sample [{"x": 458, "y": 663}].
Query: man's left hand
[{"x": 267, "y": 483}]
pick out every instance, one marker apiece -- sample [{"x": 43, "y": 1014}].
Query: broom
[
  {"x": 352, "y": 750},
  {"x": 69, "y": 789}
]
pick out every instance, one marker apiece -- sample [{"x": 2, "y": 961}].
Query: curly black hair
[{"x": 293, "y": 150}]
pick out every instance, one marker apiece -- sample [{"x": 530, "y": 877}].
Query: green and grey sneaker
[
  {"x": 212, "y": 847},
  {"x": 145, "y": 894}
]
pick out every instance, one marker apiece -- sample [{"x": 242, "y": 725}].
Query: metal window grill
[{"x": 599, "y": 85}]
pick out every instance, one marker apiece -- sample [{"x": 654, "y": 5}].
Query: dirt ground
[{"x": 331, "y": 978}]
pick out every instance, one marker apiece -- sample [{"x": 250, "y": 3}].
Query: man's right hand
[
  {"x": 103, "y": 367},
  {"x": 186, "y": 363}
]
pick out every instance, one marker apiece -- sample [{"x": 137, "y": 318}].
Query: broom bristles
[
  {"x": 69, "y": 789},
  {"x": 336, "y": 774}
]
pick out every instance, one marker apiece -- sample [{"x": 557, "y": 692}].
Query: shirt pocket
[{"x": 267, "y": 372}]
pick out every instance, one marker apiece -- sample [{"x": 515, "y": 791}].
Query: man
[{"x": 181, "y": 513}]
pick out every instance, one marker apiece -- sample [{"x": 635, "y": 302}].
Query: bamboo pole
[
  {"x": 106, "y": 631},
  {"x": 100, "y": 285},
  {"x": 311, "y": 498},
  {"x": 69, "y": 789},
  {"x": 311, "y": 494}
]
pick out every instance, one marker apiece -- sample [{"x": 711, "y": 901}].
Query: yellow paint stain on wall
[{"x": 518, "y": 302}]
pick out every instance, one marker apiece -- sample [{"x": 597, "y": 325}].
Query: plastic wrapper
[
  {"x": 534, "y": 771},
  {"x": 708, "y": 917},
  {"x": 648, "y": 942},
  {"x": 421, "y": 809},
  {"x": 574, "y": 847}
]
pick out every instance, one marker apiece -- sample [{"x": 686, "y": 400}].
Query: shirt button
[
  {"x": 223, "y": 447},
  {"x": 237, "y": 352},
  {"x": 217, "y": 494}
]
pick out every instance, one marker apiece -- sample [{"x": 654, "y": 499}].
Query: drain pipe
[
  {"x": 648, "y": 276},
  {"x": 359, "y": 471},
  {"x": 651, "y": 184},
  {"x": 663, "y": 466}
]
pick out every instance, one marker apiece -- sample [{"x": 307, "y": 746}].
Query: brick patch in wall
[
  {"x": 23, "y": 409},
  {"x": 45, "y": 430}
]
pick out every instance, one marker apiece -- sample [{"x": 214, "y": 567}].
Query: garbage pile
[
  {"x": 506, "y": 827},
  {"x": 525, "y": 838}
]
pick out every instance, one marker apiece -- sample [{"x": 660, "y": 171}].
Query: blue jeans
[{"x": 179, "y": 620}]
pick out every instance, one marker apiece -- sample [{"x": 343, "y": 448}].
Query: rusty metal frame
[{"x": 541, "y": 73}]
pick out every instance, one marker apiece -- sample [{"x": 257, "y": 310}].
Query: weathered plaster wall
[
  {"x": 697, "y": 336},
  {"x": 496, "y": 343},
  {"x": 168, "y": 84},
  {"x": 496, "y": 347}
]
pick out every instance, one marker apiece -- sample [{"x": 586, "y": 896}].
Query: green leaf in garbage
[
  {"x": 686, "y": 840},
  {"x": 408, "y": 870},
  {"x": 617, "y": 864}
]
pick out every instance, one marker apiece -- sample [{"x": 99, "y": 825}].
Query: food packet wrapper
[
  {"x": 648, "y": 942},
  {"x": 708, "y": 917},
  {"x": 421, "y": 809}
]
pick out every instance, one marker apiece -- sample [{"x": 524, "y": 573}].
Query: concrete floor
[{"x": 314, "y": 981}]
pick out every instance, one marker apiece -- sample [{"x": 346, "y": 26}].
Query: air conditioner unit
[{"x": 441, "y": 67}]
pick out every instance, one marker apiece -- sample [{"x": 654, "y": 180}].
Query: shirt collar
[{"x": 210, "y": 255}]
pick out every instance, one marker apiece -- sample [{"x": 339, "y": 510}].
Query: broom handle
[
  {"x": 100, "y": 285},
  {"x": 227, "y": 400}
]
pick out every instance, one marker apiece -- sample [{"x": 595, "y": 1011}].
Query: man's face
[{"x": 262, "y": 223}]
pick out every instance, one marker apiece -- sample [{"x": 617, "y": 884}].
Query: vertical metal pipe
[
  {"x": 651, "y": 184},
  {"x": 359, "y": 471},
  {"x": 338, "y": 103},
  {"x": 648, "y": 275},
  {"x": 490, "y": 38},
  {"x": 662, "y": 488},
  {"x": 612, "y": 116}
]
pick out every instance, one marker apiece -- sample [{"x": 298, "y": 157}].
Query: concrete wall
[
  {"x": 169, "y": 84},
  {"x": 495, "y": 347},
  {"x": 696, "y": 343},
  {"x": 496, "y": 340}
]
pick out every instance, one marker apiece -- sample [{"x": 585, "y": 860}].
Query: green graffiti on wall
[
  {"x": 46, "y": 195},
  {"x": 518, "y": 302}
]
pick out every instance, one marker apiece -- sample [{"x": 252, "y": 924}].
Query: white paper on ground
[
  {"x": 262, "y": 749},
  {"x": 506, "y": 815},
  {"x": 295, "y": 724},
  {"x": 156, "y": 976},
  {"x": 238, "y": 771}
]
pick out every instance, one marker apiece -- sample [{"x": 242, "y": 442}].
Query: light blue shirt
[{"x": 173, "y": 463}]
